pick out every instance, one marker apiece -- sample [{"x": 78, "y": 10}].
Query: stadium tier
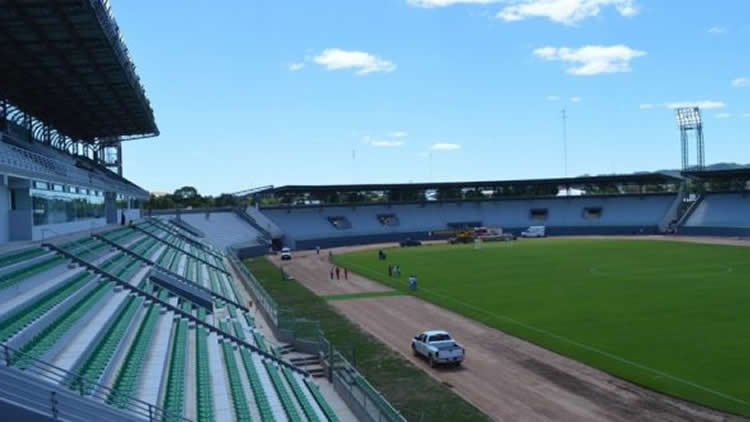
[
  {"x": 719, "y": 214},
  {"x": 92, "y": 316},
  {"x": 310, "y": 226},
  {"x": 222, "y": 229}
]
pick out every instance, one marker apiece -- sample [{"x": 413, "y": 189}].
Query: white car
[
  {"x": 438, "y": 347},
  {"x": 286, "y": 254},
  {"x": 535, "y": 231}
]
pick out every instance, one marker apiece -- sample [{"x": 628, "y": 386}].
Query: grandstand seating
[
  {"x": 222, "y": 229},
  {"x": 128, "y": 342},
  {"x": 565, "y": 215},
  {"x": 721, "y": 210}
]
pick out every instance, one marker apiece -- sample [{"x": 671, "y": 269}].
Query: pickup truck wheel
[
  {"x": 414, "y": 350},
  {"x": 432, "y": 362}
]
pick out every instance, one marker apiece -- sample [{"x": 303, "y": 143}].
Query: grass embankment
[
  {"x": 414, "y": 393},
  {"x": 668, "y": 315}
]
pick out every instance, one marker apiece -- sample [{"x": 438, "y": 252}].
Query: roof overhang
[
  {"x": 628, "y": 179},
  {"x": 64, "y": 63}
]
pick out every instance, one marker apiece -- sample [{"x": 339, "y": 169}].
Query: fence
[{"x": 307, "y": 336}]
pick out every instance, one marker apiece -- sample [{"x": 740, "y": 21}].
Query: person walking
[
  {"x": 338, "y": 273},
  {"x": 346, "y": 274},
  {"x": 317, "y": 250},
  {"x": 390, "y": 270},
  {"x": 331, "y": 273}
]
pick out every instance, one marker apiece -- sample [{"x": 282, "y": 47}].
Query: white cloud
[
  {"x": 398, "y": 134},
  {"x": 445, "y": 147},
  {"x": 295, "y": 67},
  {"x": 576, "y": 99},
  {"x": 741, "y": 82},
  {"x": 383, "y": 143},
  {"x": 444, "y": 3},
  {"x": 706, "y": 104},
  {"x": 567, "y": 12},
  {"x": 592, "y": 59},
  {"x": 364, "y": 63},
  {"x": 553, "y": 98},
  {"x": 386, "y": 144},
  {"x": 646, "y": 106},
  {"x": 723, "y": 116},
  {"x": 717, "y": 30}
]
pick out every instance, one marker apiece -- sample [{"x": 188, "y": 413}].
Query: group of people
[
  {"x": 336, "y": 270},
  {"x": 394, "y": 270}
]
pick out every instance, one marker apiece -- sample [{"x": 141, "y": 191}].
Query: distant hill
[{"x": 715, "y": 166}]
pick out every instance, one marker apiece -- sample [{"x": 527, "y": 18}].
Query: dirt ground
[
  {"x": 305, "y": 263},
  {"x": 507, "y": 378}
]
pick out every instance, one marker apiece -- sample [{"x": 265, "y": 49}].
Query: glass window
[{"x": 56, "y": 206}]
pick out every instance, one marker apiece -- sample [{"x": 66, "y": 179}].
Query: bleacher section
[
  {"x": 90, "y": 309},
  {"x": 720, "y": 214},
  {"x": 310, "y": 226},
  {"x": 221, "y": 229}
]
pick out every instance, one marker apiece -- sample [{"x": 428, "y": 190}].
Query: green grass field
[{"x": 671, "y": 316}]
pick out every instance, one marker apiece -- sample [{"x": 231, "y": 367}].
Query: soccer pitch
[{"x": 671, "y": 316}]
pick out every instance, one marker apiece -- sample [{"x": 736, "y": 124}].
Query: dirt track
[{"x": 508, "y": 378}]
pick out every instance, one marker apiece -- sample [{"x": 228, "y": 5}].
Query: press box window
[
  {"x": 539, "y": 214},
  {"x": 592, "y": 213}
]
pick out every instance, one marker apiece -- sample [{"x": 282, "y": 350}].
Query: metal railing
[
  {"x": 262, "y": 298},
  {"x": 59, "y": 392}
]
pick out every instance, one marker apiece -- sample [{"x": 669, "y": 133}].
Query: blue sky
[{"x": 282, "y": 92}]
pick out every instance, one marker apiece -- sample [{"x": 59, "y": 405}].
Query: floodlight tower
[{"x": 689, "y": 118}]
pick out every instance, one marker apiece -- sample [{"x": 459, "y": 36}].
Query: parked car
[
  {"x": 535, "y": 231},
  {"x": 286, "y": 254},
  {"x": 438, "y": 347},
  {"x": 410, "y": 242}
]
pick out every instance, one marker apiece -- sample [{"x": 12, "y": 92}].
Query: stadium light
[{"x": 688, "y": 117}]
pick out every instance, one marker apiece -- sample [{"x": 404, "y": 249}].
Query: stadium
[{"x": 630, "y": 305}]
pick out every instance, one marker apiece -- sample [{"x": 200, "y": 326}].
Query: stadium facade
[{"x": 69, "y": 95}]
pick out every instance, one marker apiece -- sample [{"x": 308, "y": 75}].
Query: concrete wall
[{"x": 333, "y": 242}]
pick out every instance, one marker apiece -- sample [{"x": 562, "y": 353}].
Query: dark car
[{"x": 410, "y": 242}]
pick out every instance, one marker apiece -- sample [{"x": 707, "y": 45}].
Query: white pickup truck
[{"x": 438, "y": 347}]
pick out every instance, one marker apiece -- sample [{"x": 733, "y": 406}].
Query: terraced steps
[
  {"x": 22, "y": 318},
  {"x": 128, "y": 377},
  {"x": 284, "y": 397},
  {"x": 14, "y": 277},
  {"x": 20, "y": 256},
  {"x": 174, "y": 399},
  {"x": 45, "y": 339},
  {"x": 324, "y": 406},
  {"x": 98, "y": 360},
  {"x": 261, "y": 400},
  {"x": 204, "y": 398},
  {"x": 307, "y": 407},
  {"x": 241, "y": 411}
]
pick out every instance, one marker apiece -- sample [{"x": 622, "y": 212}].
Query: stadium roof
[
  {"x": 739, "y": 172},
  {"x": 64, "y": 63},
  {"x": 639, "y": 178}
]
